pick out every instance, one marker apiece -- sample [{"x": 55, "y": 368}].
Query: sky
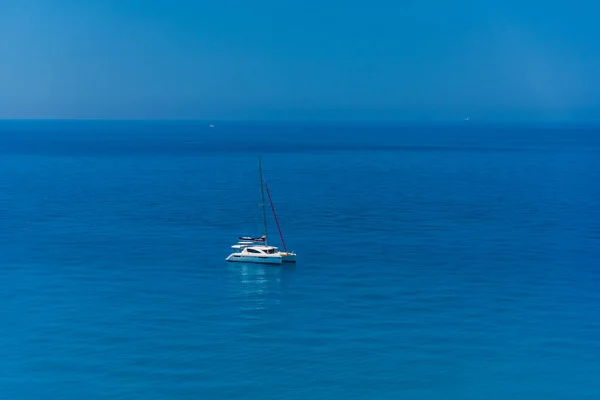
[{"x": 340, "y": 60}]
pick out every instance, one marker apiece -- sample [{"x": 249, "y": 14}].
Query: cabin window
[{"x": 253, "y": 251}]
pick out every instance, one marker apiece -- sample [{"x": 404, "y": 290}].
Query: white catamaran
[{"x": 257, "y": 250}]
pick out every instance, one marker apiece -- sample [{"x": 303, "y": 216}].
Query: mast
[
  {"x": 262, "y": 190},
  {"x": 275, "y": 215}
]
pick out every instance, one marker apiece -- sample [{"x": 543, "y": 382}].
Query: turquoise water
[{"x": 455, "y": 263}]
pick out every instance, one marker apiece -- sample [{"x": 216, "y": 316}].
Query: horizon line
[{"x": 464, "y": 122}]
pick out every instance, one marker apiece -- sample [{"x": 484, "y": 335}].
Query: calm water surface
[{"x": 456, "y": 263}]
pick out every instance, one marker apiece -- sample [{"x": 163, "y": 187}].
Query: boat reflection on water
[{"x": 261, "y": 285}]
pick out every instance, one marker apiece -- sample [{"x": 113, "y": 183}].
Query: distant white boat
[
  {"x": 257, "y": 250},
  {"x": 211, "y": 126}
]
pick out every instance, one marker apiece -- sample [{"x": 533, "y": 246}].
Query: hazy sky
[{"x": 419, "y": 60}]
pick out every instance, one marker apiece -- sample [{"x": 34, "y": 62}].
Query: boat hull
[
  {"x": 237, "y": 257},
  {"x": 288, "y": 257}
]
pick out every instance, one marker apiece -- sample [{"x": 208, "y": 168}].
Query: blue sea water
[{"x": 453, "y": 262}]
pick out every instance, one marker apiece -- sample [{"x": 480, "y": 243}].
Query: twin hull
[
  {"x": 266, "y": 259},
  {"x": 262, "y": 259}
]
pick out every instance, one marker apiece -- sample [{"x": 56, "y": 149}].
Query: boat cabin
[{"x": 260, "y": 250}]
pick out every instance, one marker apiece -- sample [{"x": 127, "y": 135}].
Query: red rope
[{"x": 275, "y": 215}]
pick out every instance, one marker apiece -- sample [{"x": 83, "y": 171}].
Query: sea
[{"x": 455, "y": 261}]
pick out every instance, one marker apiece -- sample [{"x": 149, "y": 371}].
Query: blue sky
[{"x": 426, "y": 60}]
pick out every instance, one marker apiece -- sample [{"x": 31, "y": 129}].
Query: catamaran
[{"x": 256, "y": 249}]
